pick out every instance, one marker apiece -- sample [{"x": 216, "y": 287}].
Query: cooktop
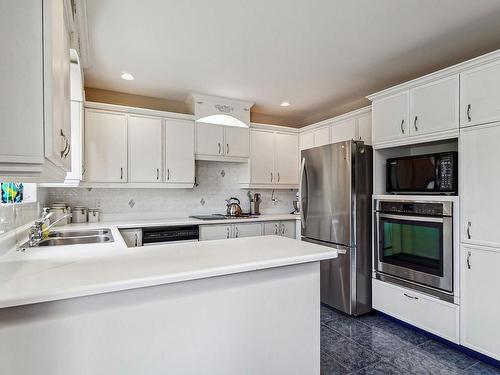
[{"x": 221, "y": 217}]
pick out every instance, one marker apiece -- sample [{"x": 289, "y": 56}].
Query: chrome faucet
[{"x": 36, "y": 230}]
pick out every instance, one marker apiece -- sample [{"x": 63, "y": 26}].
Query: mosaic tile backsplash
[{"x": 217, "y": 181}]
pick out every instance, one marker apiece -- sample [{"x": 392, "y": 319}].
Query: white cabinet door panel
[
  {"x": 434, "y": 107},
  {"x": 390, "y": 118},
  {"x": 262, "y": 156},
  {"x": 365, "y": 128},
  {"x": 21, "y": 76},
  {"x": 287, "y": 228},
  {"x": 343, "y": 131},
  {"x": 179, "y": 151},
  {"x": 306, "y": 140},
  {"x": 480, "y": 300},
  {"x": 237, "y": 141},
  {"x": 145, "y": 149},
  {"x": 215, "y": 232},
  {"x": 105, "y": 146},
  {"x": 247, "y": 230},
  {"x": 479, "y": 182},
  {"x": 286, "y": 159},
  {"x": 271, "y": 228},
  {"x": 321, "y": 136},
  {"x": 480, "y": 90},
  {"x": 209, "y": 139}
]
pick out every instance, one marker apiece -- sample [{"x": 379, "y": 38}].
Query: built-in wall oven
[{"x": 414, "y": 244}]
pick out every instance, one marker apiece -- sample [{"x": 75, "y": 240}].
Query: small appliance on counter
[
  {"x": 423, "y": 174},
  {"x": 60, "y": 209},
  {"x": 233, "y": 207},
  {"x": 94, "y": 215},
  {"x": 80, "y": 214},
  {"x": 257, "y": 201}
]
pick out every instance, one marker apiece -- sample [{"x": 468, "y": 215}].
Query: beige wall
[{"x": 121, "y": 98}]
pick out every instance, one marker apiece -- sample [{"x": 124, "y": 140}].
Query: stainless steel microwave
[{"x": 430, "y": 173}]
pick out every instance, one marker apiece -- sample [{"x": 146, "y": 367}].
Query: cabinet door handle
[
  {"x": 279, "y": 177},
  {"x": 67, "y": 152},
  {"x": 136, "y": 239},
  {"x": 236, "y": 232},
  {"x": 157, "y": 173},
  {"x": 227, "y": 232},
  {"x": 271, "y": 176},
  {"x": 411, "y": 297},
  {"x": 121, "y": 173},
  {"x": 468, "y": 113},
  {"x": 468, "y": 229},
  {"x": 283, "y": 229},
  {"x": 468, "y": 259},
  {"x": 415, "y": 123},
  {"x": 276, "y": 229},
  {"x": 168, "y": 174},
  {"x": 218, "y": 144},
  {"x": 227, "y": 148},
  {"x": 403, "y": 126},
  {"x": 66, "y": 145}
]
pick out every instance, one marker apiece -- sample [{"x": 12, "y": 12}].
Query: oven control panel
[{"x": 413, "y": 208}]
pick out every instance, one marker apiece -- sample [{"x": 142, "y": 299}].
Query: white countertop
[
  {"x": 137, "y": 223},
  {"x": 54, "y": 273}
]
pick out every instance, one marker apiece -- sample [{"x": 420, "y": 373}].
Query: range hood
[{"x": 220, "y": 111}]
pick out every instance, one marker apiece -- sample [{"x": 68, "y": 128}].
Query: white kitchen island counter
[{"x": 245, "y": 305}]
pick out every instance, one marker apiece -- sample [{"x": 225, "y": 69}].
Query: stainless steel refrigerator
[{"x": 335, "y": 193}]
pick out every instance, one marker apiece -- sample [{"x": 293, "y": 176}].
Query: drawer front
[{"x": 430, "y": 314}]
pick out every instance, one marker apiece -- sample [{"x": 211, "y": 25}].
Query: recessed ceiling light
[
  {"x": 127, "y": 76},
  {"x": 285, "y": 104}
]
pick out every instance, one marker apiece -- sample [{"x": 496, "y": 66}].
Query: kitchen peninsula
[{"x": 243, "y": 305}]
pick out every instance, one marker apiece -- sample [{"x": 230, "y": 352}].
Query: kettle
[{"x": 233, "y": 207}]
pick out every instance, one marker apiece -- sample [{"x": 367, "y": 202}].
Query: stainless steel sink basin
[
  {"x": 74, "y": 240},
  {"x": 80, "y": 233}
]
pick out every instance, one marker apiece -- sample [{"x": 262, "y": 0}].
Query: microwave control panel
[{"x": 446, "y": 177}]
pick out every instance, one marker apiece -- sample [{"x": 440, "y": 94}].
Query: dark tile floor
[{"x": 372, "y": 344}]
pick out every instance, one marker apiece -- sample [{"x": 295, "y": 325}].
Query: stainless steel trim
[
  {"x": 303, "y": 203},
  {"x": 442, "y": 295},
  {"x": 447, "y": 205},
  {"x": 431, "y": 219},
  {"x": 445, "y": 282}
]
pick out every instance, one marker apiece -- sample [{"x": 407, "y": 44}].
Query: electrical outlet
[{"x": 98, "y": 203}]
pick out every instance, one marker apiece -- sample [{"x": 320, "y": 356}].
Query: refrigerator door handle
[{"x": 303, "y": 198}]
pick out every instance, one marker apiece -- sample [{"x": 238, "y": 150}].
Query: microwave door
[{"x": 326, "y": 181}]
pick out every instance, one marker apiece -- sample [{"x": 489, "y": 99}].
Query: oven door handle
[{"x": 411, "y": 218}]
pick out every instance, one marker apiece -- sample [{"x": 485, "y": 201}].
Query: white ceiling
[{"x": 321, "y": 55}]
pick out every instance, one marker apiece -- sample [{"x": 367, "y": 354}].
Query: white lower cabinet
[
  {"x": 247, "y": 230},
  {"x": 225, "y": 231},
  {"x": 280, "y": 228},
  {"x": 430, "y": 314},
  {"x": 480, "y": 300}
]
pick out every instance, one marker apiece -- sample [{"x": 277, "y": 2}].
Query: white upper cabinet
[
  {"x": 321, "y": 136},
  {"x": 179, "y": 151},
  {"x": 261, "y": 156},
  {"x": 365, "y": 128},
  {"x": 35, "y": 98},
  {"x": 479, "y": 154},
  {"x": 273, "y": 160},
  {"x": 57, "y": 84},
  {"x": 480, "y": 300},
  {"x": 237, "y": 142},
  {"x": 286, "y": 159},
  {"x": 306, "y": 140},
  {"x": 434, "y": 106},
  {"x": 209, "y": 139},
  {"x": 390, "y": 118},
  {"x": 145, "y": 149},
  {"x": 105, "y": 146},
  {"x": 480, "y": 93},
  {"x": 222, "y": 143},
  {"x": 344, "y": 130}
]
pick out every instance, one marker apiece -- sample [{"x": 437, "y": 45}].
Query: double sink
[{"x": 77, "y": 237}]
